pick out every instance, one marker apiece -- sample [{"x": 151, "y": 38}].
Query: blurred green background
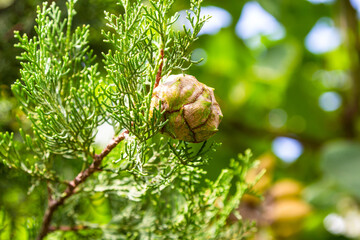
[{"x": 287, "y": 76}]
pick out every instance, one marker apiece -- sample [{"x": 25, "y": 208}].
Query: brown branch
[
  {"x": 67, "y": 228},
  {"x": 350, "y": 26},
  {"x": 158, "y": 75},
  {"x": 80, "y": 178},
  {"x": 49, "y": 190}
]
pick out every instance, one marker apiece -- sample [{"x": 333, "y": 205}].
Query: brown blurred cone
[{"x": 282, "y": 210}]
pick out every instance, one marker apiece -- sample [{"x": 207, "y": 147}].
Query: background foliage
[{"x": 269, "y": 85}]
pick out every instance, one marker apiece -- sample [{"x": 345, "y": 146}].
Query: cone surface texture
[{"x": 190, "y": 107}]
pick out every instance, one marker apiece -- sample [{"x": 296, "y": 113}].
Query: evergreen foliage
[{"x": 142, "y": 186}]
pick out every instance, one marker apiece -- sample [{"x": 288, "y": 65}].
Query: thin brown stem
[
  {"x": 80, "y": 178},
  {"x": 158, "y": 75}
]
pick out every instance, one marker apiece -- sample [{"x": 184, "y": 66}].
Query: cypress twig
[
  {"x": 158, "y": 75},
  {"x": 80, "y": 178}
]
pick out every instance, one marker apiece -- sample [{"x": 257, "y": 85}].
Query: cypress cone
[{"x": 189, "y": 106}]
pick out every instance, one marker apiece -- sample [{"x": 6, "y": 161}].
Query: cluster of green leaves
[
  {"x": 56, "y": 92},
  {"x": 144, "y": 41},
  {"x": 188, "y": 208},
  {"x": 147, "y": 181}
]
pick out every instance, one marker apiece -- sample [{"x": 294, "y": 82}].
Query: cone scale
[{"x": 190, "y": 107}]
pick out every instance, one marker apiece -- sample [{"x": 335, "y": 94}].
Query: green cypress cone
[{"x": 190, "y": 107}]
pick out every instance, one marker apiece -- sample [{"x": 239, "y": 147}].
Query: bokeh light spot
[
  {"x": 356, "y": 5},
  {"x": 198, "y": 54},
  {"x": 104, "y": 135},
  {"x": 330, "y": 101},
  {"x": 219, "y": 18},
  {"x": 287, "y": 149},
  {"x": 333, "y": 79},
  {"x": 334, "y": 223},
  {"x": 277, "y": 118},
  {"x": 254, "y": 21},
  {"x": 323, "y": 37},
  {"x": 321, "y": 1}
]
